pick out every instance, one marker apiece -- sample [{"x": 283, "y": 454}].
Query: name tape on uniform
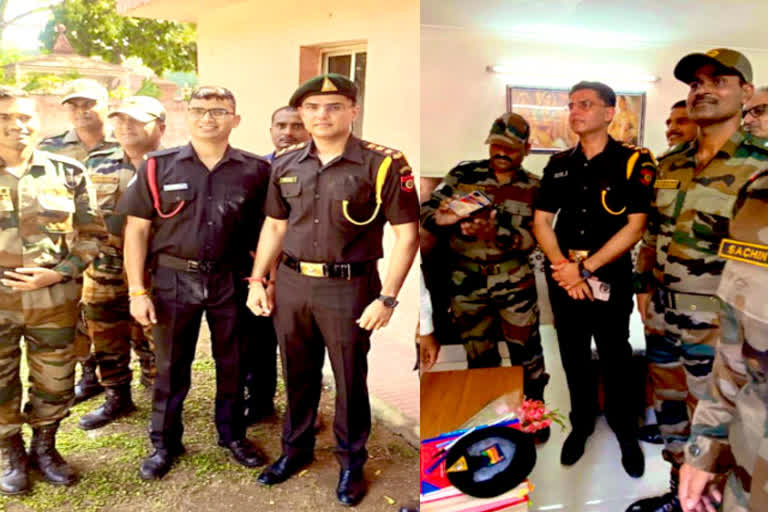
[
  {"x": 6, "y": 203},
  {"x": 170, "y": 187},
  {"x": 754, "y": 254},
  {"x": 288, "y": 179},
  {"x": 667, "y": 184}
]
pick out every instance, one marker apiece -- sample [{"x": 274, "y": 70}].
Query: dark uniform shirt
[
  {"x": 310, "y": 195},
  {"x": 594, "y": 197},
  {"x": 219, "y": 205}
]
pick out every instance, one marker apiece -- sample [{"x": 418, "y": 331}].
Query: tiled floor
[{"x": 597, "y": 483}]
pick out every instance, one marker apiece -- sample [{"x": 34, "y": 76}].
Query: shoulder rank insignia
[
  {"x": 395, "y": 154},
  {"x": 290, "y": 148}
]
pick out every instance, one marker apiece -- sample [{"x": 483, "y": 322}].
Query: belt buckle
[
  {"x": 346, "y": 271},
  {"x": 193, "y": 266},
  {"x": 577, "y": 255},
  {"x": 312, "y": 269}
]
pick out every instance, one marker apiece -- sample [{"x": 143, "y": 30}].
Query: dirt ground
[{"x": 206, "y": 479}]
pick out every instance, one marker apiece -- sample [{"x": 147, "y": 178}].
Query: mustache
[{"x": 501, "y": 157}]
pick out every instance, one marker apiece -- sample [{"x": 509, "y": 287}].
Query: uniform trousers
[
  {"x": 180, "y": 300},
  {"x": 576, "y": 323},
  {"x": 313, "y": 315}
]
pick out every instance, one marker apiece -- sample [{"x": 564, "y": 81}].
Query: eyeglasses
[
  {"x": 582, "y": 105},
  {"x": 216, "y": 113},
  {"x": 756, "y": 111}
]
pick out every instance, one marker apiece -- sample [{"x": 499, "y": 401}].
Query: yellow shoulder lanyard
[
  {"x": 630, "y": 167},
  {"x": 381, "y": 177}
]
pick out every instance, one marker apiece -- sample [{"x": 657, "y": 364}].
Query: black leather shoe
[
  {"x": 632, "y": 458},
  {"x": 88, "y": 386},
  {"x": 283, "y": 469},
  {"x": 245, "y": 453},
  {"x": 159, "y": 463},
  {"x": 573, "y": 448},
  {"x": 15, "y": 478},
  {"x": 351, "y": 487},
  {"x": 118, "y": 404},
  {"x": 44, "y": 457},
  {"x": 650, "y": 434},
  {"x": 542, "y": 436}
]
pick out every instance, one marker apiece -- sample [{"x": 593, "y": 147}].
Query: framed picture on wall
[{"x": 546, "y": 110}]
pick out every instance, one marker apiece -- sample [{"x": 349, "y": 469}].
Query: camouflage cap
[
  {"x": 510, "y": 129},
  {"x": 85, "y": 88},
  {"x": 723, "y": 58},
  {"x": 142, "y": 108},
  {"x": 331, "y": 83}
]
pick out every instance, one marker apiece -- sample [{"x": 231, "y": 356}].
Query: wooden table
[{"x": 448, "y": 399}]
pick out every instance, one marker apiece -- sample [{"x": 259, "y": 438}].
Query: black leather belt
[
  {"x": 332, "y": 270},
  {"x": 194, "y": 266},
  {"x": 687, "y": 301}
]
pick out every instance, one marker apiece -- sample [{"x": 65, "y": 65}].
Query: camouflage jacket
[
  {"x": 513, "y": 203},
  {"x": 48, "y": 216},
  {"x": 730, "y": 427},
  {"x": 110, "y": 171},
  {"x": 68, "y": 144},
  {"x": 692, "y": 212}
]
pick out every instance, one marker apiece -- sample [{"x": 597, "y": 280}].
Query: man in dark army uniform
[
  {"x": 186, "y": 209},
  {"x": 601, "y": 190},
  {"x": 493, "y": 295},
  {"x": 327, "y": 204}
]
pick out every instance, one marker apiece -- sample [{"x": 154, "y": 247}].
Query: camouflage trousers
[
  {"x": 744, "y": 412},
  {"x": 46, "y": 319},
  {"x": 680, "y": 347},
  {"x": 491, "y": 309},
  {"x": 107, "y": 326}
]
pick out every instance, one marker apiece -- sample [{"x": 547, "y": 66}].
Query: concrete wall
[{"x": 460, "y": 98}]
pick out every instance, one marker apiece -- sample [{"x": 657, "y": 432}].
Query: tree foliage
[
  {"x": 95, "y": 28},
  {"x": 33, "y": 6}
]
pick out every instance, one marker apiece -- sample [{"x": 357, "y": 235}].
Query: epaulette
[
  {"x": 292, "y": 147},
  {"x": 382, "y": 150},
  {"x": 163, "y": 152},
  {"x": 678, "y": 148},
  {"x": 103, "y": 153},
  {"x": 252, "y": 156},
  {"x": 53, "y": 138},
  {"x": 64, "y": 159},
  {"x": 759, "y": 143}
]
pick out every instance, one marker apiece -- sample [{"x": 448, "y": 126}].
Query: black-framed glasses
[
  {"x": 756, "y": 111},
  {"x": 216, "y": 113}
]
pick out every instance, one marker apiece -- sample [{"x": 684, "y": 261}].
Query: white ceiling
[{"x": 611, "y": 23}]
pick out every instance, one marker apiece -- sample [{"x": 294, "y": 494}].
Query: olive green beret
[{"x": 332, "y": 83}]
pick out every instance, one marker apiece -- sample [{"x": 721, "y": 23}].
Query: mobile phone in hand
[{"x": 467, "y": 205}]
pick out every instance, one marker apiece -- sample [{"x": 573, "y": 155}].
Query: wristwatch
[
  {"x": 583, "y": 271},
  {"x": 388, "y": 301}
]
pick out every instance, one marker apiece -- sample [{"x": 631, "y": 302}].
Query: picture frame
[{"x": 546, "y": 110}]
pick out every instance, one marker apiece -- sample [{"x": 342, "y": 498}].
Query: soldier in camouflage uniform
[
  {"x": 494, "y": 290},
  {"x": 48, "y": 233},
  {"x": 139, "y": 126},
  {"x": 86, "y": 102},
  {"x": 678, "y": 267},
  {"x": 730, "y": 424}
]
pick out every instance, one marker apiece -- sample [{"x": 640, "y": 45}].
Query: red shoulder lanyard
[{"x": 152, "y": 182}]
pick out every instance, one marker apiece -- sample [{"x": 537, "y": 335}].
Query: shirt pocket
[
  {"x": 171, "y": 199},
  {"x": 666, "y": 200},
  {"x": 519, "y": 215},
  {"x": 107, "y": 187},
  {"x": 56, "y": 209},
  {"x": 358, "y": 196},
  {"x": 613, "y": 199},
  {"x": 712, "y": 210}
]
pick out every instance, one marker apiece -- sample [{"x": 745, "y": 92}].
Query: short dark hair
[
  {"x": 287, "y": 108},
  {"x": 603, "y": 91},
  {"x": 7, "y": 92},
  {"x": 213, "y": 92},
  {"x": 678, "y": 104}
]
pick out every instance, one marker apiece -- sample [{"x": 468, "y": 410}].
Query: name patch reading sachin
[{"x": 742, "y": 251}]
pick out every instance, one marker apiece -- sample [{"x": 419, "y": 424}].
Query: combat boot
[
  {"x": 44, "y": 456},
  {"x": 118, "y": 404},
  {"x": 14, "y": 479},
  {"x": 88, "y": 385},
  {"x": 667, "y": 502}
]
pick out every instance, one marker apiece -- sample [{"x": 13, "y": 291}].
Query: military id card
[
  {"x": 600, "y": 290},
  {"x": 469, "y": 204}
]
